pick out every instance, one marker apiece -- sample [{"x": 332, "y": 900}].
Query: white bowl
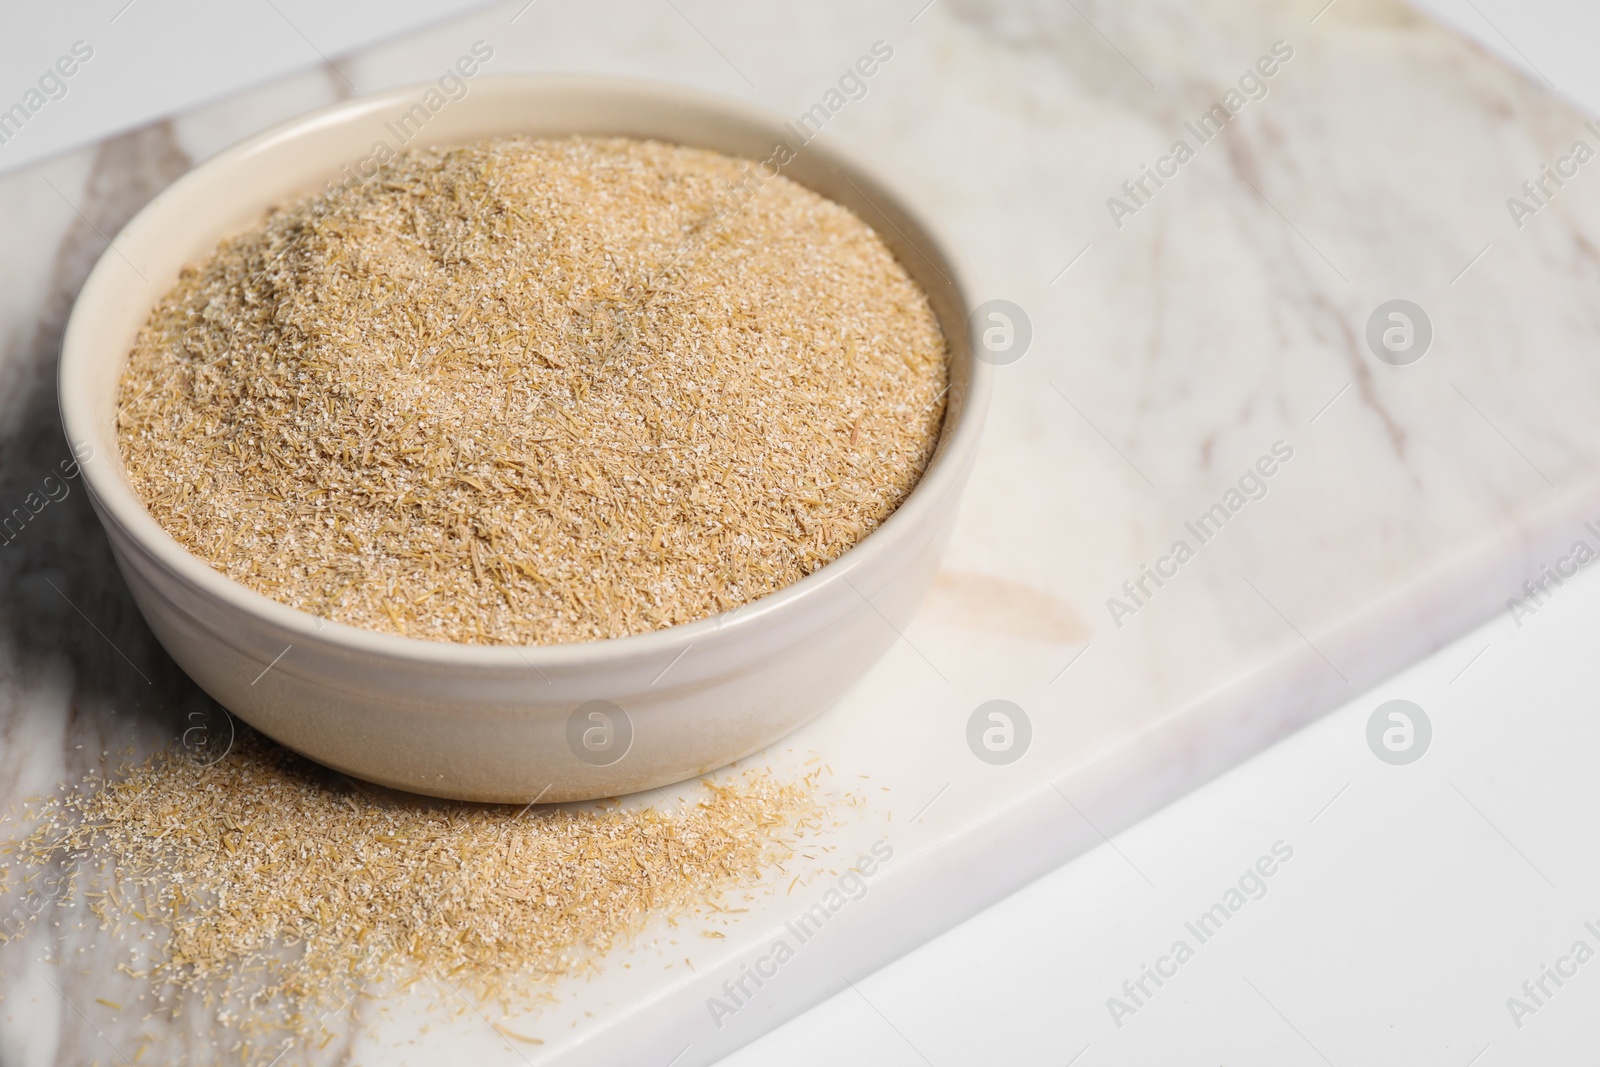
[{"x": 509, "y": 723}]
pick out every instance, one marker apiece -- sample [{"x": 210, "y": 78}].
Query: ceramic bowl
[{"x": 509, "y": 723}]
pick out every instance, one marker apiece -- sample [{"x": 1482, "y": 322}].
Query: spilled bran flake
[
  {"x": 535, "y": 391},
  {"x": 278, "y": 891}
]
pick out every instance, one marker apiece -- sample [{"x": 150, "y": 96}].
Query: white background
[
  {"x": 1418, "y": 898},
  {"x": 156, "y": 57}
]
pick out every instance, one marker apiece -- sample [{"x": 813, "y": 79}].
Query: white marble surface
[
  {"x": 1168, "y": 356},
  {"x": 1417, "y": 902}
]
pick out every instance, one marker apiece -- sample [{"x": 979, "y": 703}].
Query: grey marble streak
[
  {"x": 57, "y": 580},
  {"x": 83, "y": 683}
]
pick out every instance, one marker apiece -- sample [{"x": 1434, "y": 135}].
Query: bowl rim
[{"x": 119, "y": 504}]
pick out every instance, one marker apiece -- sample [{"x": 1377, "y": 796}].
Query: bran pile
[{"x": 535, "y": 391}]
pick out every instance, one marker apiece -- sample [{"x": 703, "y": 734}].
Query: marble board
[{"x": 1213, "y": 364}]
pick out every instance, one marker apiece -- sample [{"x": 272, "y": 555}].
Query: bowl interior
[{"x": 230, "y": 193}]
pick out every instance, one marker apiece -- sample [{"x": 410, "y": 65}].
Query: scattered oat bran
[
  {"x": 277, "y": 891},
  {"x": 535, "y": 391}
]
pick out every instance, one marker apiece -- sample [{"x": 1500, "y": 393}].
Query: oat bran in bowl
[{"x": 466, "y": 478}]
